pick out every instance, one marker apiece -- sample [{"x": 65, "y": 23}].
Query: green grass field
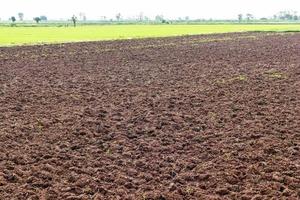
[{"x": 36, "y": 35}]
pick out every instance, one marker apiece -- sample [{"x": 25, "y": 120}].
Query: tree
[
  {"x": 288, "y": 15},
  {"x": 240, "y": 17},
  {"x": 141, "y": 17},
  {"x": 21, "y": 16},
  {"x": 43, "y": 18},
  {"x": 13, "y": 19},
  {"x": 295, "y": 17},
  {"x": 146, "y": 18},
  {"x": 37, "y": 19},
  {"x": 74, "y": 20},
  {"x": 159, "y": 18},
  {"x": 82, "y": 16},
  {"x": 249, "y": 16},
  {"x": 118, "y": 16}
]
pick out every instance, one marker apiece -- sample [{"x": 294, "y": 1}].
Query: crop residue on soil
[{"x": 197, "y": 117}]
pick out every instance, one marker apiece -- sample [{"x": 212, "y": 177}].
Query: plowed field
[{"x": 195, "y": 117}]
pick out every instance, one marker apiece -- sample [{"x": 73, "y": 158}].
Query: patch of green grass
[
  {"x": 39, "y": 125},
  {"x": 240, "y": 78},
  {"x": 221, "y": 81},
  {"x": 275, "y": 74},
  {"x": 236, "y": 78},
  {"x": 40, "y": 35}
]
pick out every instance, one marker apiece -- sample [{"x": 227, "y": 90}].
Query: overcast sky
[{"x": 94, "y": 9}]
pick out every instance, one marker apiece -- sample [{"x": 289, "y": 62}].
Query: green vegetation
[
  {"x": 240, "y": 78},
  {"x": 275, "y": 74},
  {"x": 35, "y": 35}
]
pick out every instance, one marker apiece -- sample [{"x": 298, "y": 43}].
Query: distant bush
[
  {"x": 13, "y": 19},
  {"x": 37, "y": 19}
]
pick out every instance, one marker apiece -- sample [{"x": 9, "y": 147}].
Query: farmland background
[{"x": 27, "y": 33}]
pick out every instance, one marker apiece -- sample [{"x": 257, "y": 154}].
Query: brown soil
[{"x": 198, "y": 117}]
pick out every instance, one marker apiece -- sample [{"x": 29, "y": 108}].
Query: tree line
[
  {"x": 13, "y": 19},
  {"x": 283, "y": 15}
]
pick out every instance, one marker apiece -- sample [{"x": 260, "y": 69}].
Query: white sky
[{"x": 94, "y": 9}]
